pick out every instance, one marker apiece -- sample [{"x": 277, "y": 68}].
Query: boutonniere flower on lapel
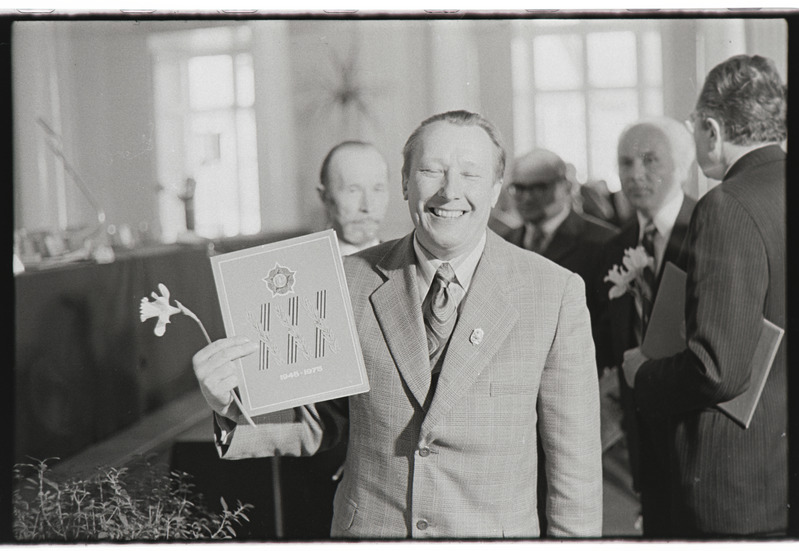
[
  {"x": 160, "y": 308},
  {"x": 629, "y": 277}
]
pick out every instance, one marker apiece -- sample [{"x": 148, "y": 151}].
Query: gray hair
[{"x": 747, "y": 96}]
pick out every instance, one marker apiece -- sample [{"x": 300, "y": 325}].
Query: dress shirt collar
[
  {"x": 549, "y": 227},
  {"x": 463, "y": 265},
  {"x": 348, "y": 248},
  {"x": 664, "y": 222},
  {"x": 665, "y": 218}
]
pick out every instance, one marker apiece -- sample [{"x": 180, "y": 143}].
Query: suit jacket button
[
  {"x": 424, "y": 452},
  {"x": 422, "y": 525}
]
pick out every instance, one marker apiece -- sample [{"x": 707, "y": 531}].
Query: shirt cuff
[{"x": 223, "y": 431}]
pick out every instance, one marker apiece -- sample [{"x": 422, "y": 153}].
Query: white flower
[
  {"x": 629, "y": 278},
  {"x": 636, "y": 260},
  {"x": 620, "y": 280},
  {"x": 159, "y": 307}
]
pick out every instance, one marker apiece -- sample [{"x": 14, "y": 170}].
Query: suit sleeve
[
  {"x": 299, "y": 431},
  {"x": 725, "y": 294},
  {"x": 569, "y": 422},
  {"x": 600, "y": 315}
]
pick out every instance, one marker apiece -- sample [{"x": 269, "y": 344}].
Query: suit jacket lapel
[
  {"x": 563, "y": 241},
  {"x": 485, "y": 307},
  {"x": 675, "y": 244},
  {"x": 398, "y": 310},
  {"x": 674, "y": 248},
  {"x": 622, "y": 309}
]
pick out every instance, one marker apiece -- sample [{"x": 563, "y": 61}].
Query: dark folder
[{"x": 665, "y": 336}]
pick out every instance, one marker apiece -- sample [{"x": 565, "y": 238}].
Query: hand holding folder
[{"x": 665, "y": 336}]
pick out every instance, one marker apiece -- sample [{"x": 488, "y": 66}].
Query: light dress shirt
[
  {"x": 664, "y": 222},
  {"x": 464, "y": 266}
]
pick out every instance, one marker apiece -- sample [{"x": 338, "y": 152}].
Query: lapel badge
[{"x": 476, "y": 337}]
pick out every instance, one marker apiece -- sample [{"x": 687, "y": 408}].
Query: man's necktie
[
  {"x": 648, "y": 243},
  {"x": 536, "y": 241},
  {"x": 440, "y": 311}
]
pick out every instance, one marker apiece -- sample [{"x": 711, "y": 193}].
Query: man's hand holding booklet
[
  {"x": 291, "y": 298},
  {"x": 665, "y": 336}
]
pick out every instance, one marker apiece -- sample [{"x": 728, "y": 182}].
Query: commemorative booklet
[
  {"x": 292, "y": 298},
  {"x": 665, "y": 336}
]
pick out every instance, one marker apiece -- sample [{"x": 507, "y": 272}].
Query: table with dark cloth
[
  {"x": 85, "y": 365},
  {"x": 86, "y": 368}
]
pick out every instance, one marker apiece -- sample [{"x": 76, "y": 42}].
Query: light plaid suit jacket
[{"x": 465, "y": 466}]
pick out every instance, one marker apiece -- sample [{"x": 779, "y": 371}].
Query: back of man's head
[{"x": 746, "y": 95}]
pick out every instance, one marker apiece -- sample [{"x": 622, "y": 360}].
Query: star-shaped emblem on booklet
[{"x": 280, "y": 280}]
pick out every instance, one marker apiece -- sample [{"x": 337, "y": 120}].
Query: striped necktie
[
  {"x": 648, "y": 243},
  {"x": 535, "y": 242},
  {"x": 440, "y": 311}
]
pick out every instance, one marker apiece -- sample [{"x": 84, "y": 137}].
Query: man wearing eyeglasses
[
  {"x": 542, "y": 192},
  {"x": 552, "y": 228},
  {"x": 728, "y": 480}
]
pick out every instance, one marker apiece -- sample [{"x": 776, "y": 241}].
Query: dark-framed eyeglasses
[{"x": 525, "y": 189}]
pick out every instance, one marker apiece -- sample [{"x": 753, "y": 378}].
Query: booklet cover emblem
[{"x": 292, "y": 298}]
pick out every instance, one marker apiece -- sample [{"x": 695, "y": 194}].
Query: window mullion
[{"x": 586, "y": 89}]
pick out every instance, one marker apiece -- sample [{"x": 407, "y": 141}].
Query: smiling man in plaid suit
[{"x": 470, "y": 344}]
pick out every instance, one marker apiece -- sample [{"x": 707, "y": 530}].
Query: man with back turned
[{"x": 729, "y": 481}]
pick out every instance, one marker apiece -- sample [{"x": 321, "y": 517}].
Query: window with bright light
[
  {"x": 205, "y": 124},
  {"x": 577, "y": 84}
]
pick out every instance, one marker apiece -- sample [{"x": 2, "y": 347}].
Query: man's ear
[
  {"x": 715, "y": 136},
  {"x": 322, "y": 190},
  {"x": 495, "y": 192},
  {"x": 405, "y": 188}
]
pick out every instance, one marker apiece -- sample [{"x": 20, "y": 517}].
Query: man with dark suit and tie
[
  {"x": 470, "y": 344},
  {"x": 542, "y": 191},
  {"x": 654, "y": 160},
  {"x": 727, "y": 480},
  {"x": 552, "y": 228}
]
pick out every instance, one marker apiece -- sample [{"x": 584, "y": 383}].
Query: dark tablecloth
[{"x": 85, "y": 365}]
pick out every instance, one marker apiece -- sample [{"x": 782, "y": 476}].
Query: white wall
[{"x": 93, "y": 80}]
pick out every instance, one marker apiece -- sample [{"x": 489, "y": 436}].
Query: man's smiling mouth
[{"x": 443, "y": 213}]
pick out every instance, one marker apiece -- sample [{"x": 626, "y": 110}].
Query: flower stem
[{"x": 236, "y": 399}]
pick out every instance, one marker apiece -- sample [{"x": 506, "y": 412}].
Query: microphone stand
[{"x": 102, "y": 253}]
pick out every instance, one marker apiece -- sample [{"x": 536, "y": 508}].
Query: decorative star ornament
[{"x": 280, "y": 280}]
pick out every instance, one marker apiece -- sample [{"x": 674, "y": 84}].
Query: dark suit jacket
[
  {"x": 614, "y": 333},
  {"x": 577, "y": 246},
  {"x": 576, "y": 243},
  {"x": 729, "y": 480}
]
